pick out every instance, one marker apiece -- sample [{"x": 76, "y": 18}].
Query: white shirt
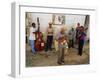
[{"x": 32, "y": 35}]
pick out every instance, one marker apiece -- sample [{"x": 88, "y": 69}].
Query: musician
[
  {"x": 81, "y": 39},
  {"x": 77, "y": 31},
  {"x": 49, "y": 37},
  {"x": 62, "y": 44},
  {"x": 71, "y": 38},
  {"x": 32, "y": 38}
]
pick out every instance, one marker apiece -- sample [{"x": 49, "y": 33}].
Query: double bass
[{"x": 39, "y": 44}]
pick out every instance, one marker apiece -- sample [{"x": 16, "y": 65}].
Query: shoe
[
  {"x": 33, "y": 54},
  {"x": 59, "y": 63},
  {"x": 46, "y": 56},
  {"x": 62, "y": 61},
  {"x": 80, "y": 54}
]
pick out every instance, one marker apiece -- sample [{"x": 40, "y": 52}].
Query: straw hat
[{"x": 64, "y": 28}]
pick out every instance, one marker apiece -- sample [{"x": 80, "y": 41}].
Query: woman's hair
[{"x": 82, "y": 28}]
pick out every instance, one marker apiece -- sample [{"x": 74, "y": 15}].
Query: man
[
  {"x": 71, "y": 38},
  {"x": 32, "y": 37},
  {"x": 49, "y": 37},
  {"x": 62, "y": 44},
  {"x": 77, "y": 31},
  {"x": 81, "y": 39}
]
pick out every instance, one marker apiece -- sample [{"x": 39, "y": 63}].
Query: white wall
[
  {"x": 44, "y": 20},
  {"x": 70, "y": 21}
]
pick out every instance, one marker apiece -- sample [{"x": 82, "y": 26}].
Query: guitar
[
  {"x": 40, "y": 44},
  {"x": 63, "y": 41},
  {"x": 79, "y": 32}
]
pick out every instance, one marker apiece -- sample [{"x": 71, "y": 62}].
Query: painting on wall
[{"x": 58, "y": 19}]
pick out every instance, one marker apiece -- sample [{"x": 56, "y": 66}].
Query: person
[
  {"x": 77, "y": 31},
  {"x": 62, "y": 45},
  {"x": 32, "y": 37},
  {"x": 71, "y": 38},
  {"x": 49, "y": 37},
  {"x": 81, "y": 39}
]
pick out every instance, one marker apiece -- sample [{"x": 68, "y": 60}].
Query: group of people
[
  {"x": 65, "y": 41},
  {"x": 77, "y": 37},
  {"x": 32, "y": 37}
]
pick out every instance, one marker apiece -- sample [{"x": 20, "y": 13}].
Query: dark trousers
[
  {"x": 80, "y": 47},
  {"x": 71, "y": 43},
  {"x": 49, "y": 43},
  {"x": 61, "y": 54}
]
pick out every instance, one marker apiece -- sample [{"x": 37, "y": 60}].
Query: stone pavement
[{"x": 71, "y": 58}]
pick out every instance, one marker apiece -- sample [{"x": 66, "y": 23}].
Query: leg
[
  {"x": 59, "y": 55},
  {"x": 69, "y": 44},
  {"x": 82, "y": 43},
  {"x": 80, "y": 47},
  {"x": 50, "y": 43},
  {"x": 47, "y": 44},
  {"x": 72, "y": 43},
  {"x": 62, "y": 56},
  {"x": 32, "y": 46}
]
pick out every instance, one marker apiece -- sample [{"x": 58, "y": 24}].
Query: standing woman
[
  {"x": 81, "y": 39},
  {"x": 62, "y": 44},
  {"x": 49, "y": 37}
]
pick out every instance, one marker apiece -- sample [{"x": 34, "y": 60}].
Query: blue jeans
[{"x": 32, "y": 45}]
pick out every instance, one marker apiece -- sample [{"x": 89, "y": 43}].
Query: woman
[
  {"x": 81, "y": 39},
  {"x": 62, "y": 44}
]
